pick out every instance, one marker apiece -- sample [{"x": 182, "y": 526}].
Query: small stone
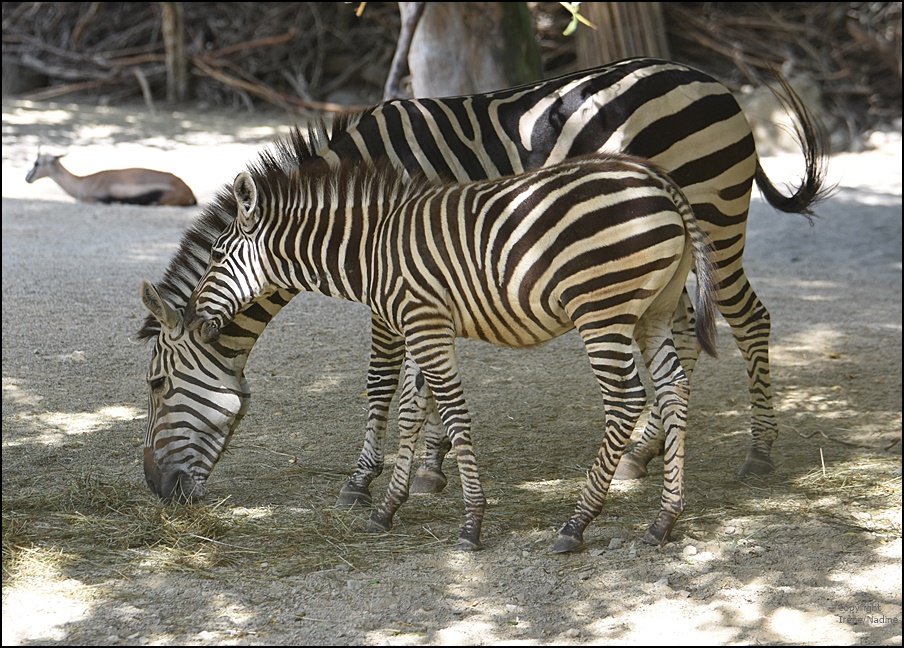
[
  {"x": 615, "y": 543},
  {"x": 690, "y": 550},
  {"x": 662, "y": 582}
]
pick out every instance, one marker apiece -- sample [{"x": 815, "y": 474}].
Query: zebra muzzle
[{"x": 210, "y": 332}]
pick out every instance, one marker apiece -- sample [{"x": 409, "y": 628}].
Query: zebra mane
[
  {"x": 286, "y": 156},
  {"x": 293, "y": 168}
]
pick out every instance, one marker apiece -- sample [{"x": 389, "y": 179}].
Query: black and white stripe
[
  {"x": 600, "y": 243},
  {"x": 681, "y": 118}
]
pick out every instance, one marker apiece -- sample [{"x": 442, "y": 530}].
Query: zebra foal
[{"x": 601, "y": 244}]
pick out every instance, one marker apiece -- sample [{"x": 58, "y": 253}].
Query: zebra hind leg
[
  {"x": 633, "y": 464},
  {"x": 671, "y": 393},
  {"x": 624, "y": 399},
  {"x": 751, "y": 327}
]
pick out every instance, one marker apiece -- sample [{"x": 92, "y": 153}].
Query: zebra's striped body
[
  {"x": 600, "y": 244},
  {"x": 681, "y": 118}
]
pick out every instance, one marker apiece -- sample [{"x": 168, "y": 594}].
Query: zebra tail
[
  {"x": 814, "y": 144},
  {"x": 705, "y": 325},
  {"x": 705, "y": 306}
]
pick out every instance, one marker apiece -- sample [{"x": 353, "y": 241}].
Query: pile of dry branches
[
  {"x": 852, "y": 49},
  {"x": 324, "y": 56},
  {"x": 290, "y": 54}
]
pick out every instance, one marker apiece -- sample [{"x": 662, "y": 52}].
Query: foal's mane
[{"x": 284, "y": 159}]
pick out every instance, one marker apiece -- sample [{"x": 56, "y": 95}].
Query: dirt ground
[{"x": 810, "y": 555}]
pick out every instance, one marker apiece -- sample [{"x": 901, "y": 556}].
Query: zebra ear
[
  {"x": 168, "y": 316},
  {"x": 246, "y": 196}
]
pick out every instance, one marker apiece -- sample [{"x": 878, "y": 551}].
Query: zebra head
[
  {"x": 235, "y": 275},
  {"x": 197, "y": 395}
]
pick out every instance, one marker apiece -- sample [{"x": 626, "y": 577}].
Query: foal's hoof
[
  {"x": 660, "y": 532},
  {"x": 567, "y": 544},
  {"x": 630, "y": 468},
  {"x": 757, "y": 464},
  {"x": 375, "y": 525},
  {"x": 428, "y": 481},
  {"x": 464, "y": 544},
  {"x": 350, "y": 497}
]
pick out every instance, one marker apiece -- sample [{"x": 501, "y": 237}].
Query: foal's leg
[
  {"x": 387, "y": 352},
  {"x": 434, "y": 352},
  {"x": 671, "y": 394},
  {"x": 633, "y": 464},
  {"x": 624, "y": 397},
  {"x": 412, "y": 408},
  {"x": 429, "y": 478}
]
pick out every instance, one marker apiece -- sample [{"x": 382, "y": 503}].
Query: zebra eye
[
  {"x": 217, "y": 255},
  {"x": 157, "y": 384}
]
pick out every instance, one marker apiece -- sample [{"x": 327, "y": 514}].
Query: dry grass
[{"x": 113, "y": 523}]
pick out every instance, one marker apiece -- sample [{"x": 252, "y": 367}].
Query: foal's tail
[{"x": 705, "y": 306}]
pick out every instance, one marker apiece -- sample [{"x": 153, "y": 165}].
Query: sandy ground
[{"x": 811, "y": 555}]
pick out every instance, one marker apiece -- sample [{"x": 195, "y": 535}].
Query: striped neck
[{"x": 317, "y": 226}]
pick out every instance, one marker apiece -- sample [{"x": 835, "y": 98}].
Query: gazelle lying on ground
[{"x": 133, "y": 186}]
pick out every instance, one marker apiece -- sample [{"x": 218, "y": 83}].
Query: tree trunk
[
  {"x": 623, "y": 30},
  {"x": 176, "y": 62},
  {"x": 468, "y": 47}
]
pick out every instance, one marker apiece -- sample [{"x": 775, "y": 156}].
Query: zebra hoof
[
  {"x": 660, "y": 532},
  {"x": 350, "y": 497},
  {"x": 466, "y": 544},
  {"x": 567, "y": 544},
  {"x": 630, "y": 468},
  {"x": 428, "y": 481},
  {"x": 757, "y": 464},
  {"x": 375, "y": 525}
]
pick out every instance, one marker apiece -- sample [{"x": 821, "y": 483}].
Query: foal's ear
[
  {"x": 246, "y": 197},
  {"x": 168, "y": 316}
]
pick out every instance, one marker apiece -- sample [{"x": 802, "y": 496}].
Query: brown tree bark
[
  {"x": 468, "y": 47},
  {"x": 176, "y": 61},
  {"x": 623, "y": 30}
]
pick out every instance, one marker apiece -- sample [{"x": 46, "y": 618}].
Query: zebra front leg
[
  {"x": 430, "y": 477},
  {"x": 387, "y": 352},
  {"x": 434, "y": 352},
  {"x": 412, "y": 408},
  {"x": 633, "y": 464},
  {"x": 624, "y": 399}
]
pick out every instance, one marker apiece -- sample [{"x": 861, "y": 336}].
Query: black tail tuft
[{"x": 812, "y": 139}]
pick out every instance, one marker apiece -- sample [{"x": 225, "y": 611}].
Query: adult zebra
[
  {"x": 682, "y": 119},
  {"x": 601, "y": 243}
]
